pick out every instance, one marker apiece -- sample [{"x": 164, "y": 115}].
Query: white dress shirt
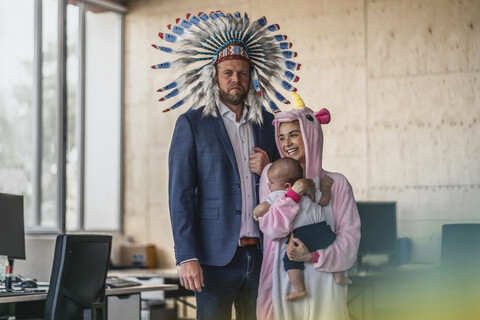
[{"x": 241, "y": 138}]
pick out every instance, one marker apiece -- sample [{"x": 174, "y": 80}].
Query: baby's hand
[
  {"x": 325, "y": 183},
  {"x": 326, "y": 189},
  {"x": 305, "y": 187},
  {"x": 260, "y": 210}
]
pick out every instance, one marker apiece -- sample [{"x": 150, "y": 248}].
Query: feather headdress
[{"x": 203, "y": 41}]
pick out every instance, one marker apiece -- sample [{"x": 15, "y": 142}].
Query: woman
[{"x": 299, "y": 135}]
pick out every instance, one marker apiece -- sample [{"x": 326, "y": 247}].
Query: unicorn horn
[{"x": 297, "y": 101}]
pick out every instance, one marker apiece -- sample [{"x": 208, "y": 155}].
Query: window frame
[{"x": 62, "y": 125}]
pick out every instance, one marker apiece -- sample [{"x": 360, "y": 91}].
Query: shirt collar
[{"x": 225, "y": 112}]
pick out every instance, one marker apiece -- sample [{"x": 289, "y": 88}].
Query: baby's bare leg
[
  {"x": 342, "y": 278},
  {"x": 326, "y": 189},
  {"x": 298, "y": 283}
]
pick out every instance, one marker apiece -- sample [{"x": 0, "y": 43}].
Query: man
[
  {"x": 216, "y": 156},
  {"x": 212, "y": 195}
]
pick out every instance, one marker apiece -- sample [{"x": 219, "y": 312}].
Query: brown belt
[{"x": 247, "y": 241}]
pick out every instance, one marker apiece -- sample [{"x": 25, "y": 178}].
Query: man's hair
[{"x": 290, "y": 169}]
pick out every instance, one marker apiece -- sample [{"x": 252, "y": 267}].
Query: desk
[
  {"x": 144, "y": 273},
  {"x": 113, "y": 295},
  {"x": 168, "y": 275},
  {"x": 108, "y": 292}
]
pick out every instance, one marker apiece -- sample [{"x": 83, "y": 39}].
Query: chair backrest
[
  {"x": 77, "y": 282},
  {"x": 461, "y": 246}
]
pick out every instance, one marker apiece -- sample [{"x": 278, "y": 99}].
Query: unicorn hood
[{"x": 311, "y": 129}]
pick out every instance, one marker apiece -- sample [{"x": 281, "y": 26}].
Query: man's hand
[
  {"x": 298, "y": 253},
  {"x": 258, "y": 160},
  {"x": 305, "y": 186},
  {"x": 191, "y": 275}
]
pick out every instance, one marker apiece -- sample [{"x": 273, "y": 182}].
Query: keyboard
[{"x": 115, "y": 282}]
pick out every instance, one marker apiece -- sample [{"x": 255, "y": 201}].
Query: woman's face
[{"x": 291, "y": 141}]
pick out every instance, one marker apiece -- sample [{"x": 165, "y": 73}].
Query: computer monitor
[
  {"x": 77, "y": 283},
  {"x": 12, "y": 229},
  {"x": 378, "y": 228}
]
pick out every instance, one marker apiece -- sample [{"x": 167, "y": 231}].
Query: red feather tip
[
  {"x": 298, "y": 66},
  {"x": 154, "y": 45},
  {"x": 288, "y": 102},
  {"x": 278, "y": 26},
  {"x": 294, "y": 90},
  {"x": 169, "y": 26},
  {"x": 159, "y": 90},
  {"x": 160, "y": 34},
  {"x": 285, "y": 37},
  {"x": 178, "y": 19},
  {"x": 166, "y": 110},
  {"x": 295, "y": 54},
  {"x": 265, "y": 18},
  {"x": 188, "y": 15},
  {"x": 161, "y": 99},
  {"x": 153, "y": 67},
  {"x": 296, "y": 79}
]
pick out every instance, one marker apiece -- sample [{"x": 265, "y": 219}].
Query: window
[
  {"x": 17, "y": 143},
  {"x": 74, "y": 185},
  {"x": 102, "y": 120}
]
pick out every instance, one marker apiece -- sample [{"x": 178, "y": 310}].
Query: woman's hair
[{"x": 289, "y": 168}]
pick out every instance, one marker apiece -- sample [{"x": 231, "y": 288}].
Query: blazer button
[
  {"x": 238, "y": 212},
  {"x": 238, "y": 185}
]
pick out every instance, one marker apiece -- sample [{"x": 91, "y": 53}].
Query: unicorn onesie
[{"x": 325, "y": 299}]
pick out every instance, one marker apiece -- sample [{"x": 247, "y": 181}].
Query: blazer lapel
[{"x": 217, "y": 122}]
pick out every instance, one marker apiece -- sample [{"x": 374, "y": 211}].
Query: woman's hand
[
  {"x": 305, "y": 186},
  {"x": 298, "y": 253}
]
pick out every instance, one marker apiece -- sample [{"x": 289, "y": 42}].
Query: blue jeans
[{"x": 234, "y": 284}]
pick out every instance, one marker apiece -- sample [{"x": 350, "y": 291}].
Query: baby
[{"x": 281, "y": 175}]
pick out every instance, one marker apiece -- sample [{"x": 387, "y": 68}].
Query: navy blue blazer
[{"x": 205, "y": 198}]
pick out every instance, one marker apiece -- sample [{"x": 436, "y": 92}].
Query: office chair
[
  {"x": 461, "y": 247},
  {"x": 77, "y": 282}
]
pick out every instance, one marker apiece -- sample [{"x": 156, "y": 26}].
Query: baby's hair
[{"x": 290, "y": 169}]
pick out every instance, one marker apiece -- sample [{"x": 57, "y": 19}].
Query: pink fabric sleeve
[
  {"x": 342, "y": 253},
  {"x": 292, "y": 194},
  {"x": 277, "y": 222}
]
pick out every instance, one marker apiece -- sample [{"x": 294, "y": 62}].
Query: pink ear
[
  {"x": 323, "y": 116},
  {"x": 273, "y": 123}
]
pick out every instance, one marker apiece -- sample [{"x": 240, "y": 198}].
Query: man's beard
[{"x": 233, "y": 99}]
